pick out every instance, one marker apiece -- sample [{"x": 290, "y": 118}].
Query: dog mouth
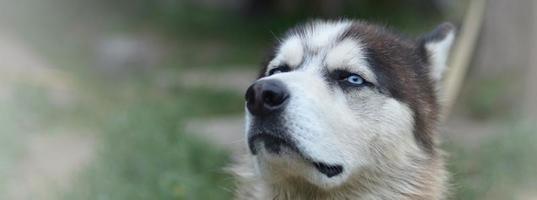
[
  {"x": 273, "y": 143},
  {"x": 327, "y": 169}
]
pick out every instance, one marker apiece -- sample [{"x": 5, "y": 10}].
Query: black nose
[{"x": 265, "y": 97}]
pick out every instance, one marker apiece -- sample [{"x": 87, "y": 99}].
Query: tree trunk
[
  {"x": 504, "y": 45},
  {"x": 507, "y": 52},
  {"x": 530, "y": 96}
]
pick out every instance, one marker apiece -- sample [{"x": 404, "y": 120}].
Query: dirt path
[
  {"x": 50, "y": 163},
  {"x": 226, "y": 131},
  {"x": 49, "y": 160}
]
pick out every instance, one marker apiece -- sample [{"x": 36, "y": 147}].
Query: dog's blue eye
[{"x": 355, "y": 79}]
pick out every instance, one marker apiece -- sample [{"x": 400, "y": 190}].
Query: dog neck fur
[{"x": 422, "y": 179}]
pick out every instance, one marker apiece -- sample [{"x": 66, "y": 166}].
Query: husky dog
[{"x": 346, "y": 110}]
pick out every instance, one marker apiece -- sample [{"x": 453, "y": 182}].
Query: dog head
[{"x": 339, "y": 97}]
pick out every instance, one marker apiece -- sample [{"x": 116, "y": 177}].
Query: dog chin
[
  {"x": 287, "y": 163},
  {"x": 280, "y": 156}
]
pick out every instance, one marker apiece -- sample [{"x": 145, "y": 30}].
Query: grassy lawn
[
  {"x": 503, "y": 166},
  {"x": 146, "y": 155},
  {"x": 10, "y": 141},
  {"x": 145, "y": 152}
]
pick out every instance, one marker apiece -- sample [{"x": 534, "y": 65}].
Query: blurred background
[{"x": 143, "y": 99}]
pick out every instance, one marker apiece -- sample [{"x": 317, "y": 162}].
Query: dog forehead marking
[
  {"x": 323, "y": 34},
  {"x": 314, "y": 37},
  {"x": 290, "y": 52},
  {"x": 349, "y": 55}
]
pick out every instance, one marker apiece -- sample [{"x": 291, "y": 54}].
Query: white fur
[
  {"x": 340, "y": 132},
  {"x": 329, "y": 125},
  {"x": 319, "y": 35},
  {"x": 323, "y": 34},
  {"x": 368, "y": 133},
  {"x": 349, "y": 55},
  {"x": 439, "y": 54},
  {"x": 291, "y": 52}
]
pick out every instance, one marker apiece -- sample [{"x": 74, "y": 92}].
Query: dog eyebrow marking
[
  {"x": 314, "y": 37},
  {"x": 290, "y": 53},
  {"x": 349, "y": 55}
]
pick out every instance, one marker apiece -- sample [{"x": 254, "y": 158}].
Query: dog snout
[{"x": 265, "y": 97}]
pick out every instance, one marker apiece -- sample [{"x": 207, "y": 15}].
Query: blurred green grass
[
  {"x": 146, "y": 154},
  {"x": 143, "y": 150},
  {"x": 10, "y": 140},
  {"x": 500, "y": 166}
]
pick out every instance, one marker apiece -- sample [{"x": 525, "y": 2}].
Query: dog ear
[{"x": 435, "y": 46}]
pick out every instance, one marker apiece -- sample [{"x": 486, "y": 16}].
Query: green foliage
[
  {"x": 487, "y": 98},
  {"x": 10, "y": 140},
  {"x": 498, "y": 168},
  {"x": 146, "y": 154},
  {"x": 210, "y": 102}
]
